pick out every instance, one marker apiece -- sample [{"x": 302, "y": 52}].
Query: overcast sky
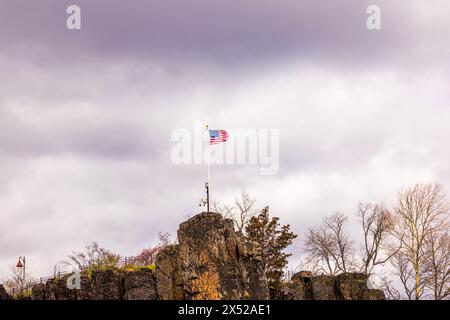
[{"x": 86, "y": 116}]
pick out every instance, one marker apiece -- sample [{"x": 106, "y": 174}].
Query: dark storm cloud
[{"x": 227, "y": 33}]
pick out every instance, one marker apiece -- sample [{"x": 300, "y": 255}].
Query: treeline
[{"x": 405, "y": 250}]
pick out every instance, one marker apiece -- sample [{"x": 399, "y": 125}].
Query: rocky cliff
[
  {"x": 211, "y": 261},
  {"x": 101, "y": 285}
]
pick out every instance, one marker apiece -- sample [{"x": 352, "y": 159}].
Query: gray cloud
[{"x": 225, "y": 33}]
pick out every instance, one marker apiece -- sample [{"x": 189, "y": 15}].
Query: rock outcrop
[
  {"x": 101, "y": 285},
  {"x": 346, "y": 286},
  {"x": 210, "y": 261},
  {"x": 139, "y": 285}
]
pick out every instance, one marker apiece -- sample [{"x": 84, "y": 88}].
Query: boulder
[
  {"x": 373, "y": 294},
  {"x": 86, "y": 291},
  {"x": 299, "y": 288},
  {"x": 139, "y": 285},
  {"x": 323, "y": 288},
  {"x": 62, "y": 292},
  {"x": 50, "y": 289},
  {"x": 351, "y": 285},
  {"x": 105, "y": 285},
  {"x": 38, "y": 292}
]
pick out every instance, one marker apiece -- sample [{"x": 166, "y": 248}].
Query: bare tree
[
  {"x": 164, "y": 239},
  {"x": 437, "y": 264},
  {"x": 344, "y": 249},
  {"x": 18, "y": 285},
  {"x": 227, "y": 211},
  {"x": 319, "y": 248},
  {"x": 147, "y": 256},
  {"x": 377, "y": 223},
  {"x": 92, "y": 258},
  {"x": 241, "y": 212},
  {"x": 421, "y": 215},
  {"x": 403, "y": 266},
  {"x": 56, "y": 270},
  {"x": 389, "y": 289},
  {"x": 328, "y": 247}
]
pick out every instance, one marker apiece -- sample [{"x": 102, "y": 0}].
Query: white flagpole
[
  {"x": 209, "y": 172},
  {"x": 208, "y": 189}
]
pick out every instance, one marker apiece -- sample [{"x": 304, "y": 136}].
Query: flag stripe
[{"x": 217, "y": 136}]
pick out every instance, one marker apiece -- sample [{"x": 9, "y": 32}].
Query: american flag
[{"x": 217, "y": 136}]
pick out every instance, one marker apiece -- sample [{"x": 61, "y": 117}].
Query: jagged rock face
[
  {"x": 299, "y": 288},
  {"x": 139, "y": 285},
  {"x": 373, "y": 294},
  {"x": 323, "y": 288},
  {"x": 61, "y": 292},
  {"x": 211, "y": 262},
  {"x": 38, "y": 292},
  {"x": 353, "y": 286},
  {"x": 3, "y": 294},
  {"x": 346, "y": 286},
  {"x": 101, "y": 285},
  {"x": 106, "y": 285},
  {"x": 255, "y": 281},
  {"x": 169, "y": 283}
]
